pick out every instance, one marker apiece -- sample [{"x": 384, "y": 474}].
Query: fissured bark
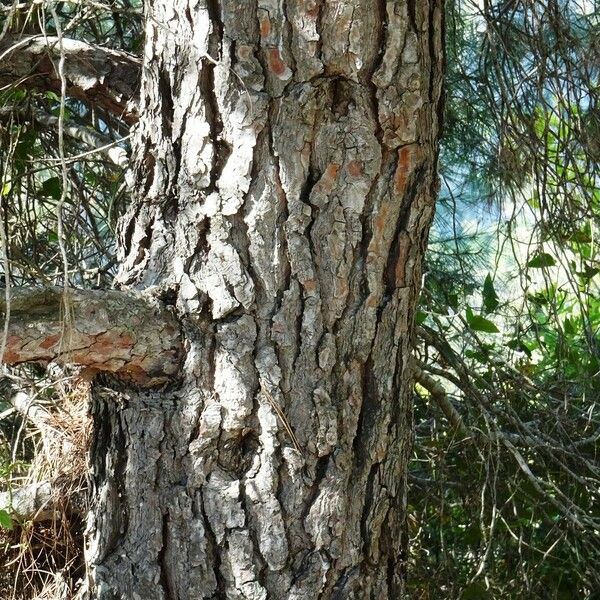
[{"x": 285, "y": 178}]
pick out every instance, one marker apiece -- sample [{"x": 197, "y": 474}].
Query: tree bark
[
  {"x": 128, "y": 334},
  {"x": 285, "y": 177}
]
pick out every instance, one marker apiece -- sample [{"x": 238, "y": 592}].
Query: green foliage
[
  {"x": 9, "y": 471},
  {"x": 6, "y": 521},
  {"x": 541, "y": 260},
  {"x": 34, "y": 196},
  {"x": 479, "y": 323},
  {"x": 31, "y": 187},
  {"x": 510, "y": 509},
  {"x": 490, "y": 298}
]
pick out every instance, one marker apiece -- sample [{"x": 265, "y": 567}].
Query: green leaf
[
  {"x": 480, "y": 357},
  {"x": 490, "y": 298},
  {"x": 6, "y": 521},
  {"x": 16, "y": 95},
  {"x": 541, "y": 260},
  {"x": 537, "y": 298},
  {"x": 472, "y": 535},
  {"x": 479, "y": 323},
  {"x": 588, "y": 272},
  {"x": 570, "y": 328},
  {"x": 421, "y": 316},
  {"x": 52, "y": 96},
  {"x": 6, "y": 189},
  {"x": 51, "y": 187},
  {"x": 582, "y": 236},
  {"x": 534, "y": 201},
  {"x": 26, "y": 148},
  {"x": 453, "y": 301}
]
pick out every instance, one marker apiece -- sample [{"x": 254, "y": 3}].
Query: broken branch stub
[
  {"x": 101, "y": 76},
  {"x": 125, "y": 333}
]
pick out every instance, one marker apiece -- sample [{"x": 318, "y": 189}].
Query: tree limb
[
  {"x": 23, "y": 404},
  {"x": 438, "y": 393},
  {"x": 554, "y": 495},
  {"x": 87, "y": 135},
  {"x": 40, "y": 501},
  {"x": 125, "y": 333},
  {"x": 97, "y": 75}
]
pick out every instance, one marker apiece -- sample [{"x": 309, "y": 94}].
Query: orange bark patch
[
  {"x": 81, "y": 357},
  {"x": 399, "y": 123},
  {"x": 403, "y": 247},
  {"x": 355, "y": 168},
  {"x": 10, "y": 357},
  {"x": 104, "y": 342},
  {"x": 329, "y": 177},
  {"x": 135, "y": 373},
  {"x": 379, "y": 224},
  {"x": 341, "y": 288},
  {"x": 276, "y": 65},
  {"x": 244, "y": 52},
  {"x": 405, "y": 166},
  {"x": 49, "y": 341},
  {"x": 265, "y": 27},
  {"x": 312, "y": 8},
  {"x": 331, "y": 172},
  {"x": 372, "y": 301},
  {"x": 125, "y": 341},
  {"x": 310, "y": 285}
]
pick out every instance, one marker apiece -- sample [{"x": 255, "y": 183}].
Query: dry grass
[{"x": 43, "y": 560}]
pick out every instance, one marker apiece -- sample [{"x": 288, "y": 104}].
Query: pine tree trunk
[{"x": 285, "y": 179}]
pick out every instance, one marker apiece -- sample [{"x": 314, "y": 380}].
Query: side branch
[
  {"x": 100, "y": 76},
  {"x": 124, "y": 333},
  {"x": 438, "y": 393},
  {"x": 41, "y": 501},
  {"x": 87, "y": 135}
]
